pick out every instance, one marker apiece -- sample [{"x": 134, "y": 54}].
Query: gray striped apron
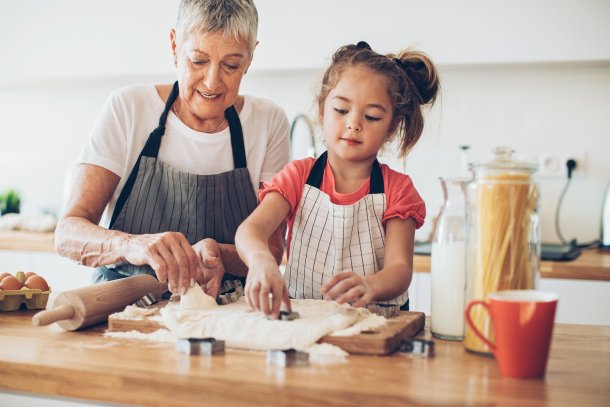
[
  {"x": 158, "y": 198},
  {"x": 328, "y": 238}
]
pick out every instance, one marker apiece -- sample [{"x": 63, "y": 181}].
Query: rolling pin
[{"x": 86, "y": 306}]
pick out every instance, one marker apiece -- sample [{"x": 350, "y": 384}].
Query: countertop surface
[
  {"x": 592, "y": 264},
  {"x": 47, "y": 361}
]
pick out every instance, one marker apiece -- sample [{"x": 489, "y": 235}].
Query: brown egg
[
  {"x": 4, "y": 275},
  {"x": 37, "y": 282},
  {"x": 29, "y": 274},
  {"x": 10, "y": 283}
]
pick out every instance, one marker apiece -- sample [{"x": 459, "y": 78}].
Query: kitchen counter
[
  {"x": 27, "y": 241},
  {"x": 47, "y": 361},
  {"x": 592, "y": 264}
]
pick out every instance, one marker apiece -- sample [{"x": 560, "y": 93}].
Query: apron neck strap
[
  {"x": 151, "y": 148},
  {"x": 317, "y": 173},
  {"x": 237, "y": 138}
]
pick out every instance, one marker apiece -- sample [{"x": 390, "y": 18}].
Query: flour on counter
[{"x": 160, "y": 335}]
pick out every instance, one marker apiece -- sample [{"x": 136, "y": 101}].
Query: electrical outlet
[{"x": 552, "y": 163}]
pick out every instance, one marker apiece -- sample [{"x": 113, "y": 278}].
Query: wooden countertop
[
  {"x": 48, "y": 361},
  {"x": 27, "y": 241},
  {"x": 592, "y": 264}
]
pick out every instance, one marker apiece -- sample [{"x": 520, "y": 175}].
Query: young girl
[{"x": 351, "y": 220}]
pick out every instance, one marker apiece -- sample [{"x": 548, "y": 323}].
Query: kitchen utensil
[
  {"x": 420, "y": 347},
  {"x": 605, "y": 239},
  {"x": 200, "y": 346},
  {"x": 288, "y": 316},
  {"x": 86, "y": 306},
  {"x": 385, "y": 310},
  {"x": 503, "y": 235},
  {"x": 287, "y": 357},
  {"x": 380, "y": 341},
  {"x": 523, "y": 321}
]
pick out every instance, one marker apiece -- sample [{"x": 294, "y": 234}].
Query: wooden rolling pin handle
[{"x": 49, "y": 316}]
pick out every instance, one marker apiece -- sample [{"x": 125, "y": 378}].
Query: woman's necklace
[{"x": 211, "y": 131}]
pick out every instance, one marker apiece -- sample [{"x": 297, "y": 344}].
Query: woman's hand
[
  {"x": 264, "y": 278},
  {"x": 210, "y": 267},
  {"x": 169, "y": 254},
  {"x": 348, "y": 287}
]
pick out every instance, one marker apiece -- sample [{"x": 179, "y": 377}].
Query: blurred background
[{"x": 533, "y": 75}]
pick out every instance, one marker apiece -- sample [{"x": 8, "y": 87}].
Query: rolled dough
[{"x": 241, "y": 328}]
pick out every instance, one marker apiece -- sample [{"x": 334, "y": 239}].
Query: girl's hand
[
  {"x": 210, "y": 268},
  {"x": 348, "y": 287},
  {"x": 264, "y": 278}
]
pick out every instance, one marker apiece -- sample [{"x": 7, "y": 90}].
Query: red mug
[{"x": 523, "y": 324}]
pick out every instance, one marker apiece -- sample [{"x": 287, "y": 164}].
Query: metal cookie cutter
[
  {"x": 422, "y": 347},
  {"x": 235, "y": 285},
  {"x": 287, "y": 357},
  {"x": 287, "y": 316},
  {"x": 200, "y": 346},
  {"x": 385, "y": 310},
  {"x": 227, "y": 297},
  {"x": 147, "y": 300}
]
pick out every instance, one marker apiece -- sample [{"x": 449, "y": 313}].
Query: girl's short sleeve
[
  {"x": 289, "y": 182},
  {"x": 403, "y": 200}
]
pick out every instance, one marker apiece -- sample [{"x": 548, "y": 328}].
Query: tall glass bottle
[
  {"x": 448, "y": 263},
  {"x": 503, "y": 235}
]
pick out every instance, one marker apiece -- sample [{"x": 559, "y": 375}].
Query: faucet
[{"x": 311, "y": 149}]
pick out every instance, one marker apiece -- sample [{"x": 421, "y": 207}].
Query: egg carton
[{"x": 11, "y": 300}]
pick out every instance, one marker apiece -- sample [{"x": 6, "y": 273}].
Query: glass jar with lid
[{"x": 503, "y": 235}]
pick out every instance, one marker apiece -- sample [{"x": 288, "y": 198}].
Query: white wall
[{"x": 511, "y": 75}]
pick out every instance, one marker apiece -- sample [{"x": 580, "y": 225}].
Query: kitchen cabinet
[{"x": 298, "y": 34}]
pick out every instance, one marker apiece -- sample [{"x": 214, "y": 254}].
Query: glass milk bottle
[
  {"x": 448, "y": 263},
  {"x": 503, "y": 235}
]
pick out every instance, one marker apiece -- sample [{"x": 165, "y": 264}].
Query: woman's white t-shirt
[{"x": 131, "y": 114}]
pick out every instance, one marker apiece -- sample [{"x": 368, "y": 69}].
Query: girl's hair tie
[{"x": 363, "y": 45}]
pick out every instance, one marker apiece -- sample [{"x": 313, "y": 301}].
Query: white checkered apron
[{"x": 328, "y": 239}]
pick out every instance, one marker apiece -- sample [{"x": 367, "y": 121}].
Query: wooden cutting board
[{"x": 379, "y": 341}]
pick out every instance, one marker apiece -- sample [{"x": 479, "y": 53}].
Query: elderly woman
[{"x": 173, "y": 168}]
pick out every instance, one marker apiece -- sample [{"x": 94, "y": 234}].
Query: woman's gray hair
[{"x": 236, "y": 18}]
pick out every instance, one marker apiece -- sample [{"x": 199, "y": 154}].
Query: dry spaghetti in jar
[{"x": 503, "y": 235}]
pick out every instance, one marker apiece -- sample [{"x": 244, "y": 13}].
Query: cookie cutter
[
  {"x": 200, "y": 346},
  {"x": 421, "y": 347},
  {"x": 235, "y": 285},
  {"x": 147, "y": 300},
  {"x": 385, "y": 310},
  {"x": 228, "y": 297},
  {"x": 287, "y": 357},
  {"x": 287, "y": 316}
]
